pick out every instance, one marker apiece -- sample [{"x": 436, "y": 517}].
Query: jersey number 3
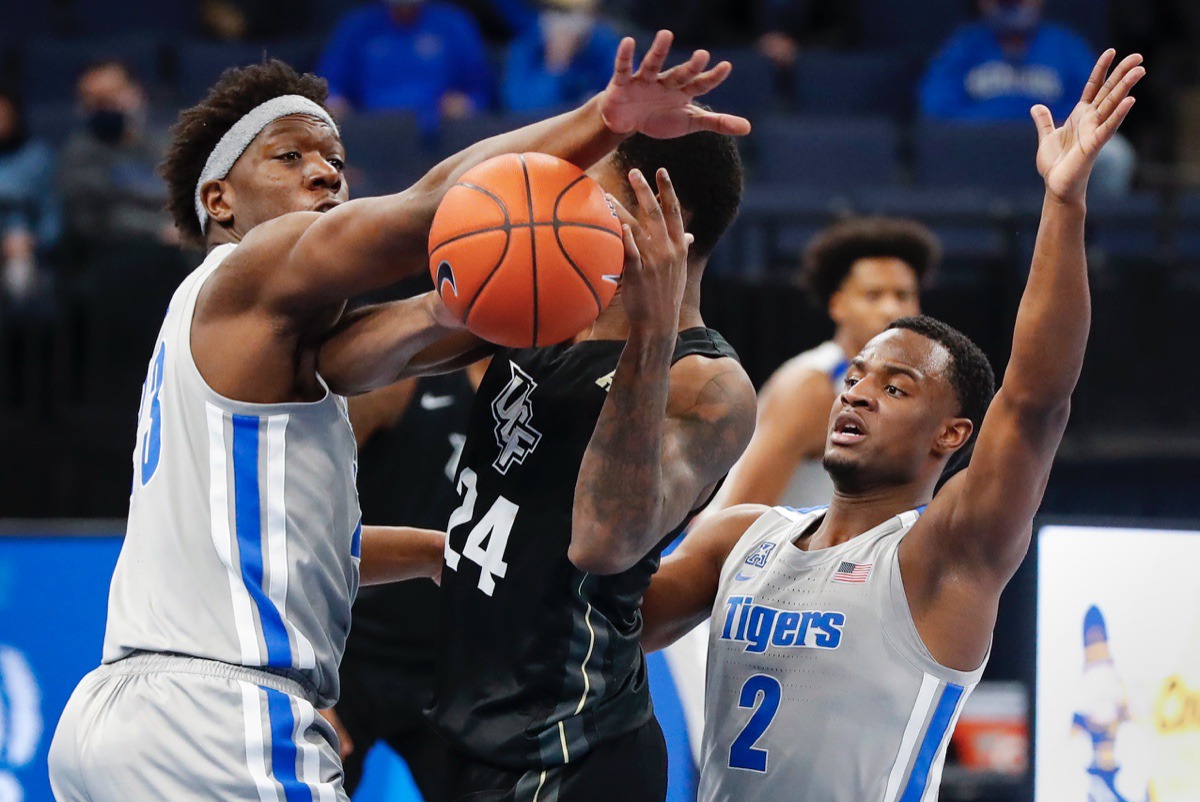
[
  {"x": 151, "y": 444},
  {"x": 763, "y": 694},
  {"x": 487, "y": 539}
]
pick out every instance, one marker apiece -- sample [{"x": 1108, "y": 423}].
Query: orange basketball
[{"x": 526, "y": 250}]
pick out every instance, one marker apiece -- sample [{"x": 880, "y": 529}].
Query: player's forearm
[
  {"x": 397, "y": 553},
  {"x": 1055, "y": 313},
  {"x": 373, "y": 346},
  {"x": 619, "y": 494}
]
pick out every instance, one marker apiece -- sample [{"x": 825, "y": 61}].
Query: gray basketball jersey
[
  {"x": 810, "y": 484},
  {"x": 244, "y": 530},
  {"x": 819, "y": 687}
]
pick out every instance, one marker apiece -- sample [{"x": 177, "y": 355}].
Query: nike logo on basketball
[
  {"x": 612, "y": 278},
  {"x": 445, "y": 275},
  {"x": 432, "y": 402}
]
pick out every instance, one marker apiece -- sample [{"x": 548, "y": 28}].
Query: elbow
[{"x": 600, "y": 556}]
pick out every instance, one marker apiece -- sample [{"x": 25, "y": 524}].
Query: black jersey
[
  {"x": 538, "y": 662},
  {"x": 406, "y": 478}
]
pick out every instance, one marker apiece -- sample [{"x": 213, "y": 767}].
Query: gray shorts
[{"x": 165, "y": 727}]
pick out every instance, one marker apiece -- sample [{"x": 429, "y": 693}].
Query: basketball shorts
[
  {"x": 158, "y": 726},
  {"x": 632, "y": 768}
]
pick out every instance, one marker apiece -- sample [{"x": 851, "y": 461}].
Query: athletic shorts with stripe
[{"x": 167, "y": 727}]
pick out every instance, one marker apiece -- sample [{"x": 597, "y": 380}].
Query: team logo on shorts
[{"x": 513, "y": 410}]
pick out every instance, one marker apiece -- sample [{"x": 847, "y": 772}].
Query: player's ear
[
  {"x": 217, "y": 198},
  {"x": 954, "y": 435}
]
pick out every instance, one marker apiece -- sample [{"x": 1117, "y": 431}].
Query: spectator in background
[
  {"x": 787, "y": 25},
  {"x": 107, "y": 173},
  {"x": 997, "y": 68},
  {"x": 29, "y": 216},
  {"x": 240, "y": 20},
  {"x": 423, "y": 56},
  {"x": 566, "y": 58}
]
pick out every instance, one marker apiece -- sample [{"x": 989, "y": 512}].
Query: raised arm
[
  {"x": 366, "y": 244},
  {"x": 976, "y": 531},
  {"x": 664, "y": 437},
  {"x": 681, "y": 594}
]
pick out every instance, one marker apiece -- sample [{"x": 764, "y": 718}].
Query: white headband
[{"x": 239, "y": 137}]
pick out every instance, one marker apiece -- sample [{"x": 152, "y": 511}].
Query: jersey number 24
[{"x": 487, "y": 539}]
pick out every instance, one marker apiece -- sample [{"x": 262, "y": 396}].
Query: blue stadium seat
[
  {"x": 971, "y": 223},
  {"x": 850, "y": 84},
  {"x": 750, "y": 88},
  {"x": 838, "y": 153},
  {"x": 459, "y": 134},
  {"x": 916, "y": 26},
  {"x": 1124, "y": 227},
  {"x": 1187, "y": 229},
  {"x": 52, "y": 66},
  {"x": 774, "y": 224},
  {"x": 201, "y": 63},
  {"x": 997, "y": 156},
  {"x": 1088, "y": 17},
  {"x": 383, "y": 152},
  {"x": 158, "y": 17}
]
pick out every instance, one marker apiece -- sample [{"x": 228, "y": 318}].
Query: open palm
[
  {"x": 1066, "y": 154},
  {"x": 659, "y": 103}
]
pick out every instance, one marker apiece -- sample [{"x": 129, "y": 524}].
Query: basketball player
[
  {"x": 583, "y": 460},
  {"x": 230, "y": 601},
  {"x": 865, "y": 273},
  {"x": 410, "y": 435},
  {"x": 844, "y": 640}
]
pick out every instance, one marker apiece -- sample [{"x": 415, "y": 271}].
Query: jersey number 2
[
  {"x": 494, "y": 528},
  {"x": 762, "y": 693}
]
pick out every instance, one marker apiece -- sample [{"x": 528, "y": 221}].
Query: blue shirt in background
[
  {"x": 375, "y": 63},
  {"x": 27, "y": 200},
  {"x": 529, "y": 85},
  {"x": 972, "y": 78}
]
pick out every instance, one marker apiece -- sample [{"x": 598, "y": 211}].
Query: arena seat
[
  {"x": 971, "y": 223},
  {"x": 860, "y": 83},
  {"x": 383, "y": 152},
  {"x": 50, "y": 66},
  {"x": 459, "y": 134},
  {"x": 51, "y": 122},
  {"x": 996, "y": 156},
  {"x": 838, "y": 153},
  {"x": 155, "y": 17},
  {"x": 776, "y": 222},
  {"x": 1125, "y": 227},
  {"x": 750, "y": 89},
  {"x": 916, "y": 26},
  {"x": 200, "y": 63},
  {"x": 1187, "y": 228}
]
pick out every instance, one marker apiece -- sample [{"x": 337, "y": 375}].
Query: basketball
[{"x": 526, "y": 250}]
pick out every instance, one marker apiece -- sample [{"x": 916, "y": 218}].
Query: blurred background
[{"x": 914, "y": 108}]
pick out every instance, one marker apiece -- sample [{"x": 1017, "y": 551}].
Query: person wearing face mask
[
  {"x": 1011, "y": 58},
  {"x": 423, "y": 56},
  {"x": 561, "y": 60},
  {"x": 107, "y": 173},
  {"x": 29, "y": 215}
]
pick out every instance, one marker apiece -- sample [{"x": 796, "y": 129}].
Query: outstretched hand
[
  {"x": 659, "y": 104},
  {"x": 1067, "y": 154}
]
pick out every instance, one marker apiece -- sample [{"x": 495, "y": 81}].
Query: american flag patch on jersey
[{"x": 852, "y": 572}]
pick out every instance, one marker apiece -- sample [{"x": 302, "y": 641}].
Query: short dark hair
[
  {"x": 971, "y": 374},
  {"x": 832, "y": 253},
  {"x": 200, "y": 128},
  {"x": 706, "y": 170}
]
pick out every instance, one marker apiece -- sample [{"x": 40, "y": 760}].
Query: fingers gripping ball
[{"x": 526, "y": 250}]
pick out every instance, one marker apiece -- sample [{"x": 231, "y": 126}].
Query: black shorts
[
  {"x": 632, "y": 768},
  {"x": 384, "y": 703}
]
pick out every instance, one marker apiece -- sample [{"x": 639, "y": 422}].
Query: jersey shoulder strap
[{"x": 702, "y": 342}]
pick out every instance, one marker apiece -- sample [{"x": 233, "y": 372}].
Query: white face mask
[{"x": 567, "y": 23}]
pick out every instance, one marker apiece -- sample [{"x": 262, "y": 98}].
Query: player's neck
[
  {"x": 851, "y": 514},
  {"x": 613, "y": 323}
]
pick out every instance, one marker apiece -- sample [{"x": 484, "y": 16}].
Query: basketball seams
[
  {"x": 558, "y": 224},
  {"x": 532, "y": 245},
  {"x": 506, "y": 228}
]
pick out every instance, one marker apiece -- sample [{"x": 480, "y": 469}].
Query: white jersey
[
  {"x": 810, "y": 485},
  {"x": 244, "y": 529},
  {"x": 819, "y": 687}
]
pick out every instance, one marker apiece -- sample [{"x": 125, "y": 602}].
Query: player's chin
[{"x": 841, "y": 460}]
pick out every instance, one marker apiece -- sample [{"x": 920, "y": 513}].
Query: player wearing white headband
[{"x": 230, "y": 603}]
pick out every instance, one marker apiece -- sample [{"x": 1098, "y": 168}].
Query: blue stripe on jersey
[
  {"x": 839, "y": 370},
  {"x": 356, "y": 541},
  {"x": 938, "y": 725},
  {"x": 248, "y": 519},
  {"x": 807, "y": 510},
  {"x": 283, "y": 747}
]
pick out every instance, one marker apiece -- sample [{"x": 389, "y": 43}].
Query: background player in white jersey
[
  {"x": 865, "y": 272},
  {"x": 845, "y": 640},
  {"x": 231, "y": 599}
]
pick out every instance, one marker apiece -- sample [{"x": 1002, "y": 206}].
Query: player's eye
[
  {"x": 336, "y": 163},
  {"x": 894, "y": 391},
  {"x": 290, "y": 156},
  {"x": 850, "y": 381}
]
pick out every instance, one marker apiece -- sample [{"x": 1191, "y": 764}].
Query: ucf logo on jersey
[{"x": 513, "y": 410}]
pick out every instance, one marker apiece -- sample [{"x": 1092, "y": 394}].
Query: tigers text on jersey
[
  {"x": 539, "y": 662},
  {"x": 243, "y": 536},
  {"x": 819, "y": 687}
]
